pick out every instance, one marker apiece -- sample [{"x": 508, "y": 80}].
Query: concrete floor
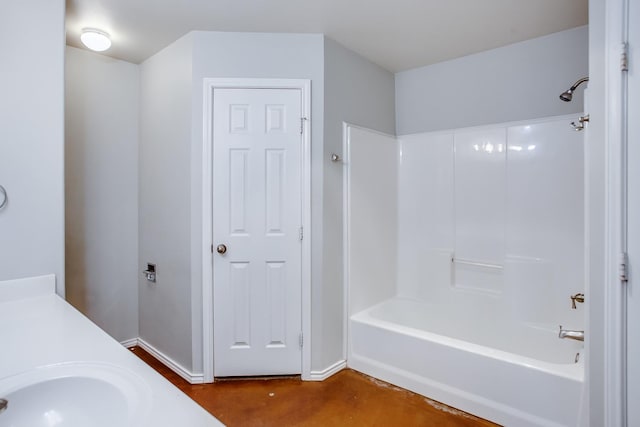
[{"x": 348, "y": 398}]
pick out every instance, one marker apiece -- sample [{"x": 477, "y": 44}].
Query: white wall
[
  {"x": 372, "y": 219},
  {"x": 101, "y": 171},
  {"x": 361, "y": 93},
  {"x": 32, "y": 139},
  {"x": 516, "y": 82},
  {"x": 164, "y": 198}
]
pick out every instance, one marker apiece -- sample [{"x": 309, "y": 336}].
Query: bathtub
[{"x": 506, "y": 372}]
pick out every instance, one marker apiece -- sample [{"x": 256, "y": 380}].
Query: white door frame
[
  {"x": 632, "y": 320},
  {"x": 210, "y": 84},
  {"x": 615, "y": 289}
]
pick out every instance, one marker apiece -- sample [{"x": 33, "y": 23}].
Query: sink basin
[{"x": 74, "y": 395}]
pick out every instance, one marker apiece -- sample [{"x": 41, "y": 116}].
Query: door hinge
[
  {"x": 301, "y": 233},
  {"x": 623, "y": 267},
  {"x": 301, "y": 339},
  {"x": 624, "y": 57},
  {"x": 302, "y": 119}
]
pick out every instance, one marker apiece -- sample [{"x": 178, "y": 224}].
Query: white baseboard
[
  {"x": 130, "y": 343},
  {"x": 326, "y": 373},
  {"x": 165, "y": 360},
  {"x": 199, "y": 378}
]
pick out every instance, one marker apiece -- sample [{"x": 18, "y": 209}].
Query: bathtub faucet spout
[{"x": 572, "y": 335}]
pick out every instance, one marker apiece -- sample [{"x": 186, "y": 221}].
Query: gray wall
[
  {"x": 361, "y": 93},
  {"x": 32, "y": 139},
  {"x": 515, "y": 82},
  {"x": 164, "y": 200},
  {"x": 101, "y": 187}
]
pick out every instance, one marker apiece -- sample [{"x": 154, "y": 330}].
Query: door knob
[{"x": 221, "y": 249}]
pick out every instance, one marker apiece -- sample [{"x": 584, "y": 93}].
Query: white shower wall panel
[
  {"x": 479, "y": 194},
  {"x": 496, "y": 211},
  {"x": 425, "y": 205},
  {"x": 545, "y": 221},
  {"x": 479, "y": 205},
  {"x": 545, "y": 189},
  {"x": 372, "y": 216}
]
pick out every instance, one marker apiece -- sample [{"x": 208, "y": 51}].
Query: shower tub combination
[{"x": 478, "y": 246}]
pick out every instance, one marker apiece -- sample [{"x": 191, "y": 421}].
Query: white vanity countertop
[{"x": 40, "y": 329}]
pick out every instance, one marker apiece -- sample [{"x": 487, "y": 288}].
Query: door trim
[
  {"x": 615, "y": 226},
  {"x": 304, "y": 85}
]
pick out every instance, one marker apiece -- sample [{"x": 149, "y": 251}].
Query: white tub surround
[
  {"x": 461, "y": 275},
  {"x": 53, "y": 354}
]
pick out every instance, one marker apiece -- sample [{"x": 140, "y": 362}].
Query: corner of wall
[
  {"x": 165, "y": 216},
  {"x": 101, "y": 136},
  {"x": 359, "y": 92}
]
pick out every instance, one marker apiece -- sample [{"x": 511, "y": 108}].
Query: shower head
[{"x": 567, "y": 95}]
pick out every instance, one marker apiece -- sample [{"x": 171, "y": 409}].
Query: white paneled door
[{"x": 257, "y": 208}]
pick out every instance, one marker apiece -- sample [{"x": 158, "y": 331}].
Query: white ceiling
[{"x": 396, "y": 34}]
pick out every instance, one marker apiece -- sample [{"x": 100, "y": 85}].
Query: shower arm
[
  {"x": 578, "y": 83},
  {"x": 567, "y": 95}
]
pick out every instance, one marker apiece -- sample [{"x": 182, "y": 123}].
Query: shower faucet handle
[
  {"x": 576, "y": 298},
  {"x": 581, "y": 123}
]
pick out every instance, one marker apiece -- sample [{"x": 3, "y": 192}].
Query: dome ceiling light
[{"x": 96, "y": 40}]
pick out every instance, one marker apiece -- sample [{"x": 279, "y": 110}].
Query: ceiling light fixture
[{"x": 95, "y": 39}]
